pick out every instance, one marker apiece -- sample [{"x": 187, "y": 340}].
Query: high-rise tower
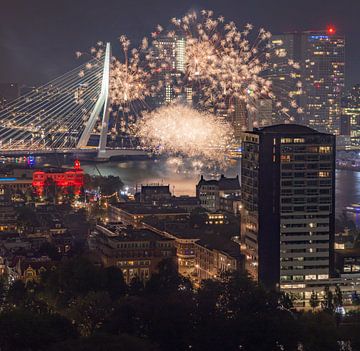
[
  {"x": 170, "y": 54},
  {"x": 321, "y": 55},
  {"x": 288, "y": 194}
]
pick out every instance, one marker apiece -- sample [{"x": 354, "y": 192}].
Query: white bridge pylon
[{"x": 102, "y": 105}]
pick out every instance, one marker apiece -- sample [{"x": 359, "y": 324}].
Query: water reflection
[
  {"x": 347, "y": 192},
  {"x": 135, "y": 173}
]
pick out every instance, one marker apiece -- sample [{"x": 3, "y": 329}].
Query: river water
[{"x": 183, "y": 181}]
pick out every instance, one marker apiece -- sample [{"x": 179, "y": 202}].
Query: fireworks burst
[
  {"x": 180, "y": 130},
  {"x": 190, "y": 166},
  {"x": 225, "y": 67},
  {"x": 129, "y": 85},
  {"x": 128, "y": 80}
]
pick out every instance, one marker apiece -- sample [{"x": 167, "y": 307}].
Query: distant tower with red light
[
  {"x": 321, "y": 55},
  {"x": 331, "y": 30}
]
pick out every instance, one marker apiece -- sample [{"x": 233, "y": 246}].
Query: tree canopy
[{"x": 82, "y": 306}]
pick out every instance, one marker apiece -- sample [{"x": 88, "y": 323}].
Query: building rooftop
[
  {"x": 141, "y": 209},
  {"x": 224, "y": 183},
  {"x": 37, "y": 264},
  {"x": 285, "y": 129},
  {"x": 185, "y": 200},
  {"x": 205, "y": 236},
  {"x": 218, "y": 242},
  {"x": 203, "y": 181},
  {"x": 229, "y": 183},
  {"x": 164, "y": 188},
  {"x": 353, "y": 252},
  {"x": 62, "y": 169},
  {"x": 181, "y": 230},
  {"x": 128, "y": 233},
  {"x": 232, "y": 197}
]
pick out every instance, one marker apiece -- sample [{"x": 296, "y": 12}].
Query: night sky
[{"x": 38, "y": 38}]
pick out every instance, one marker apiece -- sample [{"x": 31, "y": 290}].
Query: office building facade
[
  {"x": 351, "y": 116},
  {"x": 136, "y": 251},
  {"x": 321, "y": 55},
  {"x": 288, "y": 194},
  {"x": 210, "y": 192},
  {"x": 170, "y": 57}
]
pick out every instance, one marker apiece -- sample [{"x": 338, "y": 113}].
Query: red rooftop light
[
  {"x": 77, "y": 164},
  {"x": 331, "y": 30}
]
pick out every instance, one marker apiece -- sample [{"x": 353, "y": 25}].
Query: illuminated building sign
[
  {"x": 317, "y": 37},
  {"x": 8, "y": 179},
  {"x": 30, "y": 161}
]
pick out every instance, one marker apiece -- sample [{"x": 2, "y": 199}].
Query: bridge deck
[{"x": 103, "y": 154}]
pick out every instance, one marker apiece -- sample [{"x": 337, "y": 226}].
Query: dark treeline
[
  {"x": 107, "y": 185},
  {"x": 79, "y": 306}
]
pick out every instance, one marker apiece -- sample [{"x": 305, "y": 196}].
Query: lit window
[
  {"x": 324, "y": 149},
  {"x": 285, "y": 158},
  {"x": 285, "y": 277},
  {"x": 293, "y": 286},
  {"x": 307, "y": 294}
]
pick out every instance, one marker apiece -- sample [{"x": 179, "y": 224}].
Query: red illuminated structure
[{"x": 62, "y": 178}]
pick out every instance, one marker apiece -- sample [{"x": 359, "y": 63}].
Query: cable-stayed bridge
[{"x": 61, "y": 116}]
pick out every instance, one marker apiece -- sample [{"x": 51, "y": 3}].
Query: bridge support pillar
[{"x": 102, "y": 106}]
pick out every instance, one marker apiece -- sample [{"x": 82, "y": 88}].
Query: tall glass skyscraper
[
  {"x": 351, "y": 115},
  {"x": 321, "y": 55},
  {"x": 171, "y": 56}
]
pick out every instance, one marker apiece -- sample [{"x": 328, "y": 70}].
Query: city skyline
[
  {"x": 179, "y": 175},
  {"x": 33, "y": 57}
]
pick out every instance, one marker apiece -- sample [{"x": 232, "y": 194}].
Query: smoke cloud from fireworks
[{"x": 183, "y": 131}]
